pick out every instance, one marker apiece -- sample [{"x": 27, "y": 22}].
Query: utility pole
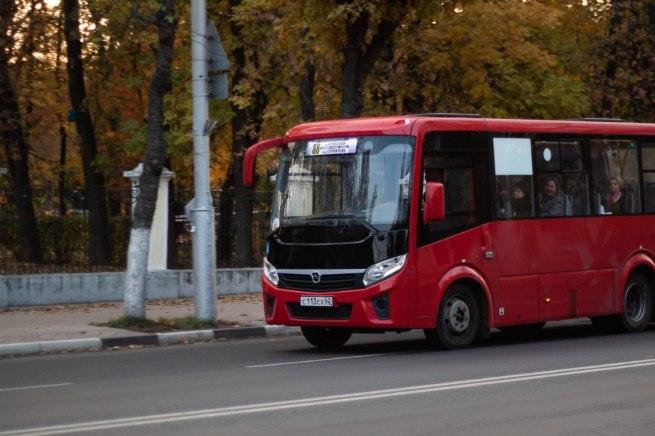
[{"x": 201, "y": 207}]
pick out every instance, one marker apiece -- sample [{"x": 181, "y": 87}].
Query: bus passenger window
[
  {"x": 615, "y": 171},
  {"x": 513, "y": 165},
  {"x": 648, "y": 166},
  {"x": 561, "y": 178}
]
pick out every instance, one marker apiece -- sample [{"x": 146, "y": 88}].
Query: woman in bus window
[
  {"x": 520, "y": 200},
  {"x": 616, "y": 201},
  {"x": 552, "y": 200}
]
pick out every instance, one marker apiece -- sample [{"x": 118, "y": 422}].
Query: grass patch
[{"x": 163, "y": 324}]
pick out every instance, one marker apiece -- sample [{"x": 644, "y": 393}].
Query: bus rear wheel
[
  {"x": 326, "y": 337},
  {"x": 458, "y": 319},
  {"x": 637, "y": 308}
]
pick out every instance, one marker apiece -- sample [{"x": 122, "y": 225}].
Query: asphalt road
[{"x": 567, "y": 380}]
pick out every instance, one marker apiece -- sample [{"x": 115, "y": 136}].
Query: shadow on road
[{"x": 413, "y": 341}]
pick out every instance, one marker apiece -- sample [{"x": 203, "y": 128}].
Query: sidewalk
[{"x": 56, "y": 328}]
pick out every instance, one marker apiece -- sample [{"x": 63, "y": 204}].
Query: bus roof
[{"x": 413, "y": 124}]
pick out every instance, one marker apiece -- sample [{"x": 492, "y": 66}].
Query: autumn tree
[
  {"x": 251, "y": 67},
  {"x": 442, "y": 60},
  {"x": 153, "y": 162},
  {"x": 628, "y": 77},
  {"x": 99, "y": 230},
  {"x": 365, "y": 40},
  {"x": 14, "y": 140}
]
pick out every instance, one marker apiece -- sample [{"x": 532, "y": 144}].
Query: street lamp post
[{"x": 202, "y": 210}]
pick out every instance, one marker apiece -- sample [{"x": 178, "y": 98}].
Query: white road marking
[
  {"x": 35, "y": 387},
  {"x": 326, "y": 400},
  {"x": 298, "y": 362}
]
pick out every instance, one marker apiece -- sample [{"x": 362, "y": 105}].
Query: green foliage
[
  {"x": 133, "y": 323},
  {"x": 534, "y": 61},
  {"x": 626, "y": 83},
  {"x": 135, "y": 132},
  {"x": 500, "y": 58},
  {"x": 451, "y": 63}
]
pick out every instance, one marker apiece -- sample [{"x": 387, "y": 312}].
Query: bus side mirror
[
  {"x": 435, "y": 203},
  {"x": 251, "y": 155}
]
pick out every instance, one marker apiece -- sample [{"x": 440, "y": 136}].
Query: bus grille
[
  {"x": 329, "y": 282},
  {"x": 303, "y": 312}
]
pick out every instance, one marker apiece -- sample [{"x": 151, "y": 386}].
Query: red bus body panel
[{"x": 528, "y": 270}]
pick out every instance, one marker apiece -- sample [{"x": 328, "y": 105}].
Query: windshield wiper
[{"x": 355, "y": 218}]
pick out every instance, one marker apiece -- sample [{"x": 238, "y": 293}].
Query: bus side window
[
  {"x": 648, "y": 166},
  {"x": 514, "y": 188},
  {"x": 459, "y": 160},
  {"x": 562, "y": 178},
  {"x": 615, "y": 170}
]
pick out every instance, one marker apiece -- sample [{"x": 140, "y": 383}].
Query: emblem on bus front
[{"x": 316, "y": 277}]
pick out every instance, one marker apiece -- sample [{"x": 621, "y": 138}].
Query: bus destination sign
[{"x": 323, "y": 147}]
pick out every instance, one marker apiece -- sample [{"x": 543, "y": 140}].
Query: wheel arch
[
  {"x": 639, "y": 263},
  {"x": 474, "y": 280}
]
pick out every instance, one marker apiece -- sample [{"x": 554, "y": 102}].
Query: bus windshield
[{"x": 363, "y": 180}]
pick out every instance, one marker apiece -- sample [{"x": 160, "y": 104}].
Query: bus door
[
  {"x": 459, "y": 160},
  {"x": 513, "y": 256}
]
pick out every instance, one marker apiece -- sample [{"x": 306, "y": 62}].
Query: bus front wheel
[
  {"x": 325, "y": 337},
  {"x": 458, "y": 319},
  {"x": 637, "y": 307}
]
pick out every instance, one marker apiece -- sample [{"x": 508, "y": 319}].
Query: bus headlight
[
  {"x": 384, "y": 269},
  {"x": 270, "y": 272}
]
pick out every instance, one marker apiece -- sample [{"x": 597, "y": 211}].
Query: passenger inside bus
[
  {"x": 520, "y": 202},
  {"x": 619, "y": 199},
  {"x": 552, "y": 202}
]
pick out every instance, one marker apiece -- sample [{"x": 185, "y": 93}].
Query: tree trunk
[
  {"x": 628, "y": 80},
  {"x": 242, "y": 138},
  {"x": 62, "y": 130},
  {"x": 99, "y": 230},
  {"x": 224, "y": 237},
  {"x": 243, "y": 214},
  {"x": 359, "y": 57},
  {"x": 307, "y": 107},
  {"x": 155, "y": 156},
  {"x": 16, "y": 147},
  {"x": 308, "y": 81},
  {"x": 608, "y": 93}
]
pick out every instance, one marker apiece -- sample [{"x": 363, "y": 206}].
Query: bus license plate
[{"x": 316, "y": 301}]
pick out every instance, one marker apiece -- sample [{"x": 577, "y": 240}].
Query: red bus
[{"x": 457, "y": 224}]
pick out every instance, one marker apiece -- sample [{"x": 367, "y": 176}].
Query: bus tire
[
  {"x": 458, "y": 319},
  {"x": 637, "y": 308},
  {"x": 637, "y": 304},
  {"x": 326, "y": 337}
]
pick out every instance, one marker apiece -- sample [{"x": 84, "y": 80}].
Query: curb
[{"x": 26, "y": 348}]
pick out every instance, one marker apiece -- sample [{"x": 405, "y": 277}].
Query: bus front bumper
[{"x": 386, "y": 305}]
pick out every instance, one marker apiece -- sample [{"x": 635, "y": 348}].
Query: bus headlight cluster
[
  {"x": 384, "y": 269},
  {"x": 270, "y": 272}
]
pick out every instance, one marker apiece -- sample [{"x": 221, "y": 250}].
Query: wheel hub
[
  {"x": 635, "y": 303},
  {"x": 458, "y": 315}
]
